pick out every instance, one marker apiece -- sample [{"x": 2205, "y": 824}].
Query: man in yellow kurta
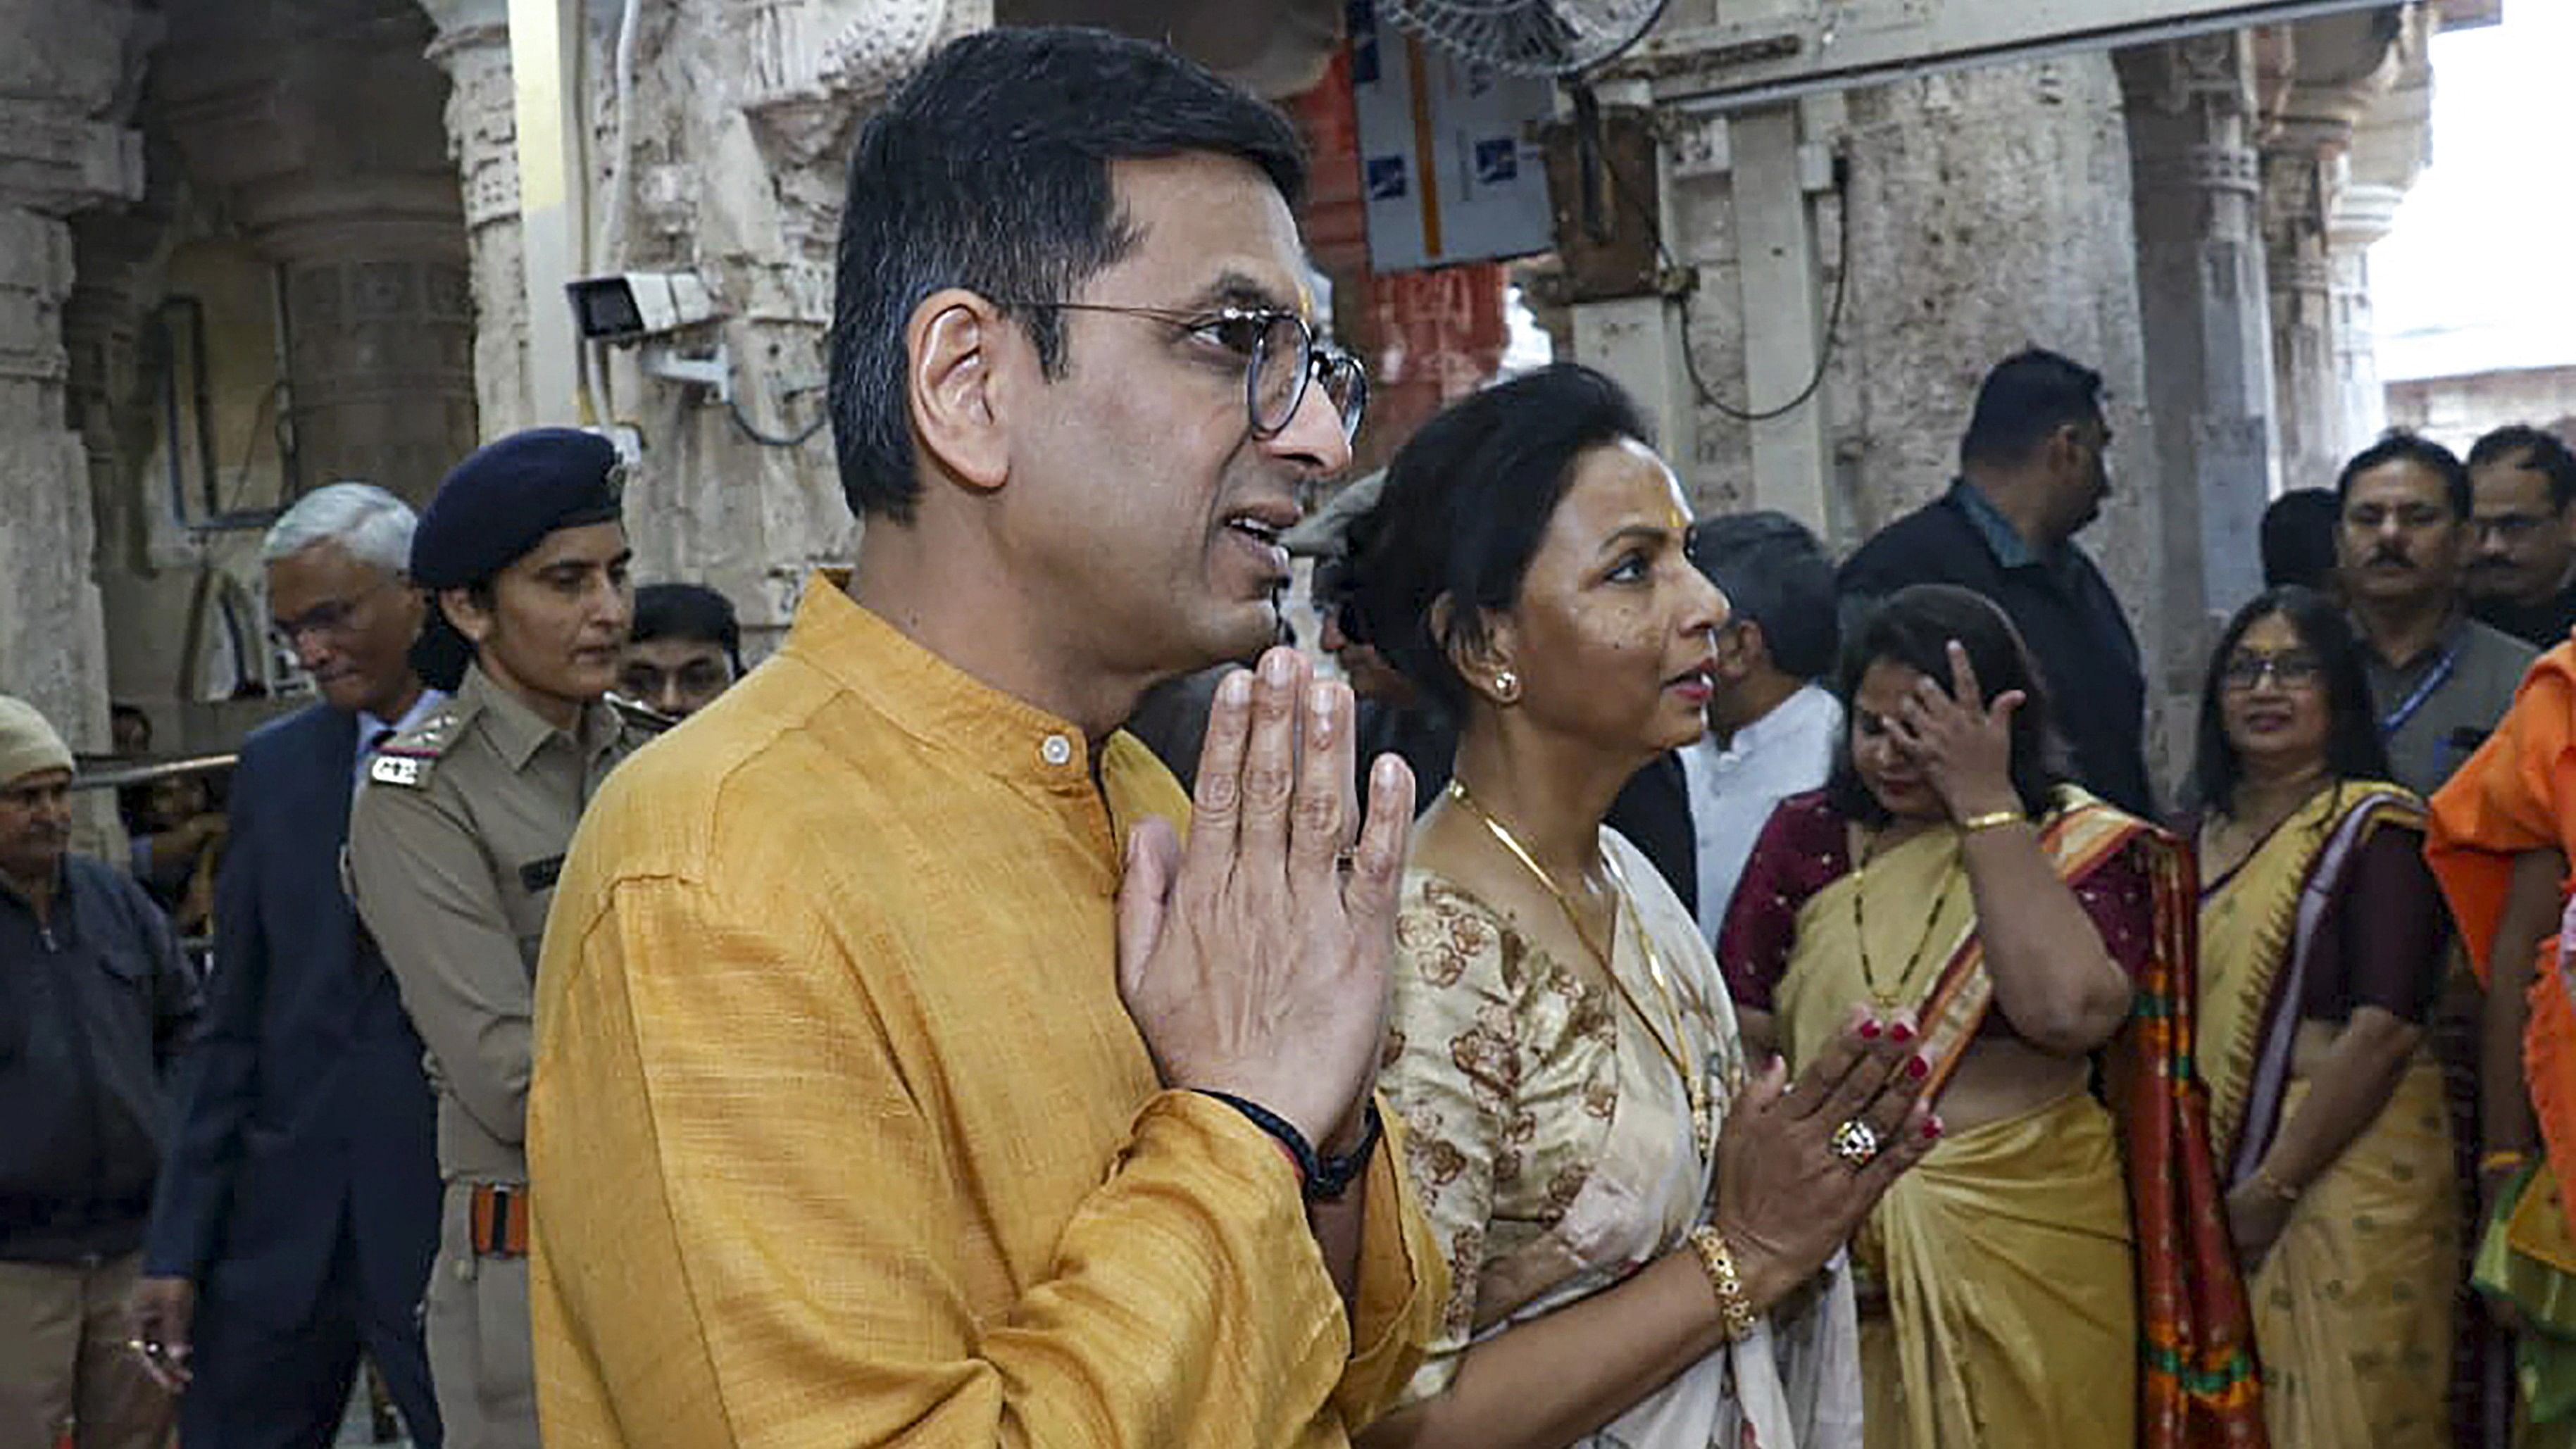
[{"x": 901, "y": 1077}]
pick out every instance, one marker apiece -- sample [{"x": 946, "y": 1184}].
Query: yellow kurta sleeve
[
  {"x": 1403, "y": 1285},
  {"x": 748, "y": 1225}
]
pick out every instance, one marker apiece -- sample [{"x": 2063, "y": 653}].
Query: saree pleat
[
  {"x": 2352, "y": 1307},
  {"x": 2087, "y": 1232},
  {"x": 2009, "y": 1315}
]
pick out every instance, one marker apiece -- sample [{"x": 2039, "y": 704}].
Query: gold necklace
[
  {"x": 1694, "y": 1084},
  {"x": 1888, "y": 998}
]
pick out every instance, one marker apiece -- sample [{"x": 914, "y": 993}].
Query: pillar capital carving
[
  {"x": 811, "y": 66},
  {"x": 2211, "y": 73},
  {"x": 56, "y": 161}
]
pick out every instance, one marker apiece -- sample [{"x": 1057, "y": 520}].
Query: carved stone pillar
[
  {"x": 2362, "y": 214},
  {"x": 321, "y": 130},
  {"x": 2341, "y": 65},
  {"x": 379, "y": 324},
  {"x": 2297, "y": 183},
  {"x": 473, "y": 47},
  {"x": 67, "y": 75},
  {"x": 2207, "y": 328}
]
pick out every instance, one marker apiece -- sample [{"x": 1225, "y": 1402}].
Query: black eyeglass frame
[{"x": 1317, "y": 358}]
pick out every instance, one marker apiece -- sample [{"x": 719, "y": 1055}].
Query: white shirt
[
  {"x": 373, "y": 731},
  {"x": 1733, "y": 790}
]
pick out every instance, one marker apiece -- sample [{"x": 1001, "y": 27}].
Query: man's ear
[
  {"x": 1741, "y": 648},
  {"x": 953, "y": 345}
]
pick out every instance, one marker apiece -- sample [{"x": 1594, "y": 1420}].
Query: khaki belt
[{"x": 498, "y": 1220}]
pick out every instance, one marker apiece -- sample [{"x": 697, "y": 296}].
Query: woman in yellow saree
[
  {"x": 2321, "y": 951},
  {"x": 2055, "y": 1271},
  {"x": 1634, "y": 1220}
]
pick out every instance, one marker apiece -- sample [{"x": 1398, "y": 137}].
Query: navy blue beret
[{"x": 498, "y": 503}]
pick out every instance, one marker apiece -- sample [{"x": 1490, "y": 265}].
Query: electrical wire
[
  {"x": 753, "y": 431},
  {"x": 1690, "y": 357},
  {"x": 613, "y": 232}
]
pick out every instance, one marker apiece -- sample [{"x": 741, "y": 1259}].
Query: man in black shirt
[
  {"x": 2033, "y": 471},
  {"x": 2524, "y": 534}
]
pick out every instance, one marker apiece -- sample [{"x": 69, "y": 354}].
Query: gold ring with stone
[{"x": 1855, "y": 1142}]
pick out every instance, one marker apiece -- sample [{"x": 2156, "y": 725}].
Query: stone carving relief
[{"x": 814, "y": 65}]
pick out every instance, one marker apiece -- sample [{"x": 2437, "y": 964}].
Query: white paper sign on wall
[{"x": 1447, "y": 165}]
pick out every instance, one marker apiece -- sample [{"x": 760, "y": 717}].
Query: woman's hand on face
[
  {"x": 1784, "y": 1198},
  {"x": 1963, "y": 745}
]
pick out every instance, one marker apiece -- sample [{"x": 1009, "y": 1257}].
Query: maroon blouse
[
  {"x": 1807, "y": 846},
  {"x": 2380, "y": 938}
]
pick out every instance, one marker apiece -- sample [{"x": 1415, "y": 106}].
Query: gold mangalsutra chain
[
  {"x": 1694, "y": 1084},
  {"x": 1888, "y": 998}
]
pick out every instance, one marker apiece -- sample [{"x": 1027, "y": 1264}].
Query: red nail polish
[
  {"x": 1900, "y": 1033},
  {"x": 1931, "y": 1128},
  {"x": 1917, "y": 1068},
  {"x": 1869, "y": 1030}
]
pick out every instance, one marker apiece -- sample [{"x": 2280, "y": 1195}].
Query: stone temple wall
[
  {"x": 1989, "y": 211},
  {"x": 742, "y": 117}
]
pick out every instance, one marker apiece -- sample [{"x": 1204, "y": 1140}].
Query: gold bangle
[
  {"x": 1734, "y": 1309},
  {"x": 2502, "y": 1159},
  {"x": 1991, "y": 820},
  {"x": 2264, "y": 1179}
]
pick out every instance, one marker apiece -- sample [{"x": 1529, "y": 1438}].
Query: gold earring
[{"x": 1507, "y": 686}]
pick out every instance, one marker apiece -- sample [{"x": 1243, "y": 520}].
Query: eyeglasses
[
  {"x": 333, "y": 619},
  {"x": 1280, "y": 358},
  {"x": 2295, "y": 669}
]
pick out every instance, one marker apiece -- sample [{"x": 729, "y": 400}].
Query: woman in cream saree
[
  {"x": 2054, "y": 1271},
  {"x": 2321, "y": 950},
  {"x": 1636, "y": 1226}
]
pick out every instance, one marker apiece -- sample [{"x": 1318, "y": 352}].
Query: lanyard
[{"x": 2440, "y": 674}]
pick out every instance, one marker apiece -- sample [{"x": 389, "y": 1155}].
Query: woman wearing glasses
[
  {"x": 1635, "y": 1216},
  {"x": 2321, "y": 951},
  {"x": 2054, "y": 1272}
]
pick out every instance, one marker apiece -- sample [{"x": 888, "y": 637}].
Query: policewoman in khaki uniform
[{"x": 454, "y": 847}]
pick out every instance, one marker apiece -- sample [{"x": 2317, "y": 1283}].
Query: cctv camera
[{"x": 635, "y": 305}]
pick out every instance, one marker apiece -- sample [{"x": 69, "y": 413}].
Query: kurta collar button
[{"x": 1056, "y": 750}]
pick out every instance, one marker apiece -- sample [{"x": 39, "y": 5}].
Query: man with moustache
[
  {"x": 2034, "y": 467},
  {"x": 2439, "y": 679},
  {"x": 95, "y": 1004},
  {"x": 455, "y": 845},
  {"x": 902, "y": 1078},
  {"x": 298, "y": 1207},
  {"x": 2522, "y": 570}
]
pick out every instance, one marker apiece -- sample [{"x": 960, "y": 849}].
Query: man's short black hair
[
  {"x": 2298, "y": 540},
  {"x": 2398, "y": 445},
  {"x": 2520, "y": 445},
  {"x": 1466, "y": 501},
  {"x": 692, "y": 612},
  {"x": 2028, "y": 396},
  {"x": 989, "y": 170},
  {"x": 1774, "y": 572}
]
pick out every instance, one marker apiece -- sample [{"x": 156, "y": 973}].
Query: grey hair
[{"x": 373, "y": 525}]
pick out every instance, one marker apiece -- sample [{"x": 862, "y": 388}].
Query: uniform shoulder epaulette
[
  {"x": 408, "y": 758},
  {"x": 638, "y": 716}
]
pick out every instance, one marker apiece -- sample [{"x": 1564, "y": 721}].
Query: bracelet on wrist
[
  {"x": 1319, "y": 1178},
  {"x": 2503, "y": 1160},
  {"x": 1735, "y": 1314},
  {"x": 1991, "y": 820}
]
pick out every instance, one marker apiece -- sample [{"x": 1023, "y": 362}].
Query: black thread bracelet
[{"x": 1324, "y": 1178}]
